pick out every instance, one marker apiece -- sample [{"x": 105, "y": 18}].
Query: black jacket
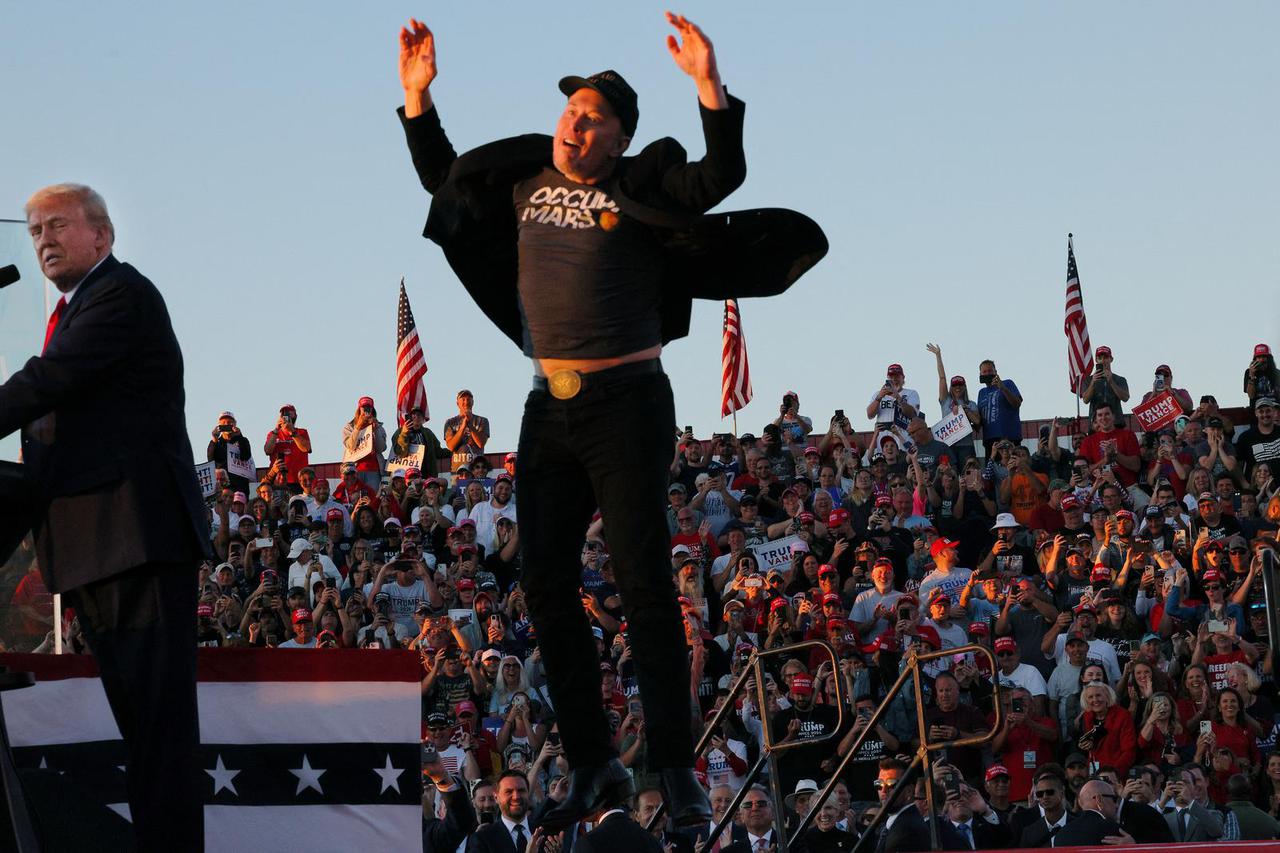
[
  {"x": 1085, "y": 829},
  {"x": 444, "y": 835},
  {"x": 1144, "y": 823},
  {"x": 104, "y": 436},
  {"x": 725, "y": 255},
  {"x": 616, "y": 834}
]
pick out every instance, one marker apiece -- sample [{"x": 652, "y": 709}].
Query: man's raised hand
[
  {"x": 417, "y": 66},
  {"x": 695, "y": 56}
]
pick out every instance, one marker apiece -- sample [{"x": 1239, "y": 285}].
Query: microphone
[{"x": 8, "y": 275}]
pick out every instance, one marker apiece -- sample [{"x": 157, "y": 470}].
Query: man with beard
[{"x": 486, "y": 514}]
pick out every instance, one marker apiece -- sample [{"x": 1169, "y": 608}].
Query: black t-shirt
[
  {"x": 590, "y": 278},
  {"x": 804, "y": 762},
  {"x": 1258, "y": 449}
]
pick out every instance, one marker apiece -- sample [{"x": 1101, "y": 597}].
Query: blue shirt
[{"x": 999, "y": 419}]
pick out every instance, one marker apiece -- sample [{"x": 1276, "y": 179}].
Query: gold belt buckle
[{"x": 564, "y": 384}]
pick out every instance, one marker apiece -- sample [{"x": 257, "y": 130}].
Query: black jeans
[
  {"x": 609, "y": 447},
  {"x": 141, "y": 630}
]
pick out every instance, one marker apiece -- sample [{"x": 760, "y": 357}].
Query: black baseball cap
[{"x": 616, "y": 91}]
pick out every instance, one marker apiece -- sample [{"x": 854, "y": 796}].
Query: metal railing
[
  {"x": 769, "y": 749},
  {"x": 922, "y": 757}
]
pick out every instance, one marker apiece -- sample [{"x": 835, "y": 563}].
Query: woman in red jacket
[
  {"x": 1230, "y": 729},
  {"x": 1107, "y": 734}
]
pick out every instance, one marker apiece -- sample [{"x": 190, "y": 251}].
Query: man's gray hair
[{"x": 93, "y": 204}]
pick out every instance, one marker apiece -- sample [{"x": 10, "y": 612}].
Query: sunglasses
[
  {"x": 1005, "y": 654},
  {"x": 1210, "y": 586},
  {"x": 1046, "y": 792},
  {"x": 755, "y": 804}
]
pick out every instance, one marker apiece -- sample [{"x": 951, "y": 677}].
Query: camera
[
  {"x": 1018, "y": 705},
  {"x": 840, "y": 415},
  {"x": 1159, "y": 382},
  {"x": 329, "y": 582}
]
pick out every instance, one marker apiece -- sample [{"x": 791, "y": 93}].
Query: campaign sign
[
  {"x": 240, "y": 467},
  {"x": 207, "y": 479},
  {"x": 1158, "y": 412},
  {"x": 400, "y": 464},
  {"x": 952, "y": 428},
  {"x": 775, "y": 554},
  {"x": 363, "y": 446}
]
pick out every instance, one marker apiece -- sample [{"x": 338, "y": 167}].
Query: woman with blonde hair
[
  {"x": 1161, "y": 732},
  {"x": 1107, "y": 734}
]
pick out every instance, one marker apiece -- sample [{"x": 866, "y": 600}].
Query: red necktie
[{"x": 53, "y": 321}]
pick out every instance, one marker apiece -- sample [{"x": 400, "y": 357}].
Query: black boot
[
  {"x": 687, "y": 803},
  {"x": 591, "y": 789}
]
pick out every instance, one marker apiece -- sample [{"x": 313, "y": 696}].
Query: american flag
[
  {"x": 1079, "y": 351},
  {"x": 411, "y": 364},
  {"x": 735, "y": 381},
  {"x": 284, "y": 768}
]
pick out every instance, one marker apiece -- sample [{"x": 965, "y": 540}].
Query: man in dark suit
[
  {"x": 1036, "y": 826},
  {"x": 511, "y": 832},
  {"x": 118, "y": 519},
  {"x": 1096, "y": 821},
  {"x": 570, "y": 249},
  {"x": 756, "y": 814},
  {"x": 615, "y": 831}
]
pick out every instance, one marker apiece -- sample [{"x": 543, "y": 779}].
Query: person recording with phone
[
  {"x": 1103, "y": 387},
  {"x": 364, "y": 443},
  {"x": 227, "y": 434},
  {"x": 290, "y": 444}
]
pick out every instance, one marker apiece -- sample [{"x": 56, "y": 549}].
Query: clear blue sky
[{"x": 256, "y": 172}]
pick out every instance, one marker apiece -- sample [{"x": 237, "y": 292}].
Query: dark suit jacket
[
  {"x": 986, "y": 836},
  {"x": 104, "y": 435},
  {"x": 615, "y": 835},
  {"x": 1086, "y": 828},
  {"x": 494, "y": 838},
  {"x": 1144, "y": 823},
  {"x": 1027, "y": 828},
  {"x": 743, "y": 846},
  {"x": 745, "y": 253}
]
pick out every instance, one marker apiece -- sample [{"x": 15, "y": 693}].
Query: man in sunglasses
[{"x": 1036, "y": 827}]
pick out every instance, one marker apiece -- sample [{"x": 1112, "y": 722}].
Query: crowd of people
[{"x": 1114, "y": 575}]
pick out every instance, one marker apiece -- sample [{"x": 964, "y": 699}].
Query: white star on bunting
[
  {"x": 390, "y": 776},
  {"x": 307, "y": 777},
  {"x": 222, "y": 777}
]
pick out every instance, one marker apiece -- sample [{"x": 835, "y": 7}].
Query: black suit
[
  {"x": 496, "y": 838},
  {"x": 1088, "y": 827},
  {"x": 986, "y": 836},
  {"x": 119, "y": 526},
  {"x": 910, "y": 832},
  {"x": 617, "y": 833},
  {"x": 1144, "y": 823},
  {"x": 1028, "y": 828}
]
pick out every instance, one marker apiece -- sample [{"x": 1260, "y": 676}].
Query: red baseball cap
[
  {"x": 811, "y": 449},
  {"x": 466, "y": 706},
  {"x": 1124, "y": 513},
  {"x": 883, "y": 561},
  {"x": 806, "y": 518},
  {"x": 1086, "y": 607},
  {"x": 1261, "y": 350},
  {"x": 1069, "y": 503},
  {"x": 979, "y": 628},
  {"x": 777, "y": 604},
  {"x": 302, "y": 614},
  {"x": 204, "y": 610},
  {"x": 957, "y": 380},
  {"x": 1165, "y": 369},
  {"x": 941, "y": 544},
  {"x": 1006, "y": 644},
  {"x": 801, "y": 683},
  {"x": 929, "y": 635},
  {"x": 996, "y": 770},
  {"x": 1103, "y": 351},
  {"x": 365, "y": 401},
  {"x": 334, "y": 514},
  {"x": 1101, "y": 572},
  {"x": 827, "y": 569},
  {"x": 893, "y": 368},
  {"x": 837, "y": 517},
  {"x": 831, "y": 597},
  {"x": 1077, "y": 637},
  {"x": 883, "y": 500},
  {"x": 1211, "y": 576},
  {"x": 939, "y": 595},
  {"x": 465, "y": 583}
]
